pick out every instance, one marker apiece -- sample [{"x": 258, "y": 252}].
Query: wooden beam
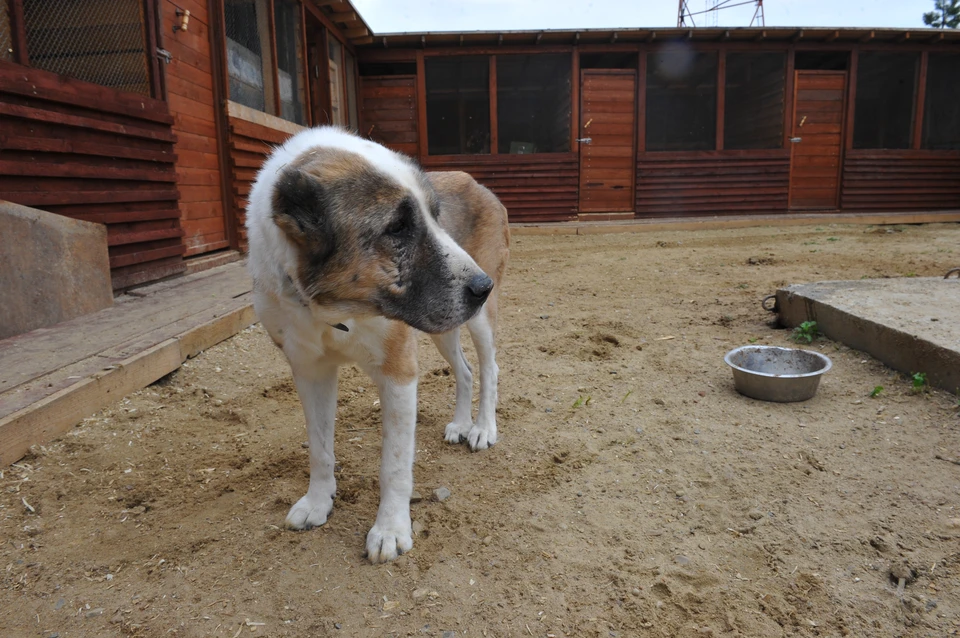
[
  {"x": 796, "y": 38},
  {"x": 494, "y": 124},
  {"x": 726, "y": 35},
  {"x": 539, "y": 37},
  {"x": 868, "y": 37},
  {"x": 574, "y": 100},
  {"x": 652, "y": 36},
  {"x": 833, "y": 36},
  {"x": 274, "y": 59},
  {"x": 851, "y": 104},
  {"x": 421, "y": 107},
  {"x": 362, "y": 41},
  {"x": 500, "y": 40},
  {"x": 348, "y": 16},
  {"x": 761, "y": 36},
  {"x": 905, "y": 37},
  {"x": 355, "y": 33},
  {"x": 576, "y": 38},
  {"x": 641, "y": 109},
  {"x": 221, "y": 89},
  {"x": 613, "y": 38},
  {"x": 921, "y": 98},
  {"x": 18, "y": 29}
]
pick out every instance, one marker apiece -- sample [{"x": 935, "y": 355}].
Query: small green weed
[
  {"x": 806, "y": 332},
  {"x": 833, "y": 239},
  {"x": 580, "y": 402},
  {"x": 919, "y": 380},
  {"x": 876, "y": 392}
]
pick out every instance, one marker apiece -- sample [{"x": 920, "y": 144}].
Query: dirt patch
[{"x": 633, "y": 492}]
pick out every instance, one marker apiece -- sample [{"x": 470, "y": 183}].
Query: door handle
[
  {"x": 795, "y": 139},
  {"x": 585, "y": 140}
]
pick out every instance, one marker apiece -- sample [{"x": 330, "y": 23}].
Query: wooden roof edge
[
  {"x": 348, "y": 19},
  {"x": 837, "y": 35}
]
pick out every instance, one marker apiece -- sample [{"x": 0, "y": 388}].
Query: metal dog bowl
[{"x": 777, "y": 374}]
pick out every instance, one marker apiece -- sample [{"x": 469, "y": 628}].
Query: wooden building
[{"x": 153, "y": 116}]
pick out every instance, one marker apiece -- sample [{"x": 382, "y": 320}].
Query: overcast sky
[{"x": 392, "y": 16}]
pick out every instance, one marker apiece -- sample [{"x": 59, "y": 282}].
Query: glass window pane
[
  {"x": 533, "y": 103},
  {"x": 941, "y": 115},
  {"x": 753, "y": 100},
  {"x": 99, "y": 42},
  {"x": 681, "y": 105},
  {"x": 458, "y": 105},
  {"x": 338, "y": 113},
  {"x": 886, "y": 95},
  {"x": 248, "y": 54},
  {"x": 290, "y": 61}
]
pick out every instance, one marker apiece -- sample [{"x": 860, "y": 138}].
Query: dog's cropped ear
[{"x": 300, "y": 210}]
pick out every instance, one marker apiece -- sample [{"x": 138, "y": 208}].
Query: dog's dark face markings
[{"x": 368, "y": 244}]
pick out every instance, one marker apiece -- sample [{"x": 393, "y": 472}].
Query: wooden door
[
  {"x": 608, "y": 121},
  {"x": 388, "y": 112},
  {"x": 817, "y": 139}
]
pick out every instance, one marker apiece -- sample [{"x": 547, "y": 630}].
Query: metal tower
[{"x": 688, "y": 17}]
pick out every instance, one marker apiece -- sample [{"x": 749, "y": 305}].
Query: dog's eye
[{"x": 397, "y": 226}]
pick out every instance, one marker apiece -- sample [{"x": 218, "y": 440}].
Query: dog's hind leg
[
  {"x": 483, "y": 329},
  {"x": 448, "y": 343},
  {"x": 317, "y": 387}
]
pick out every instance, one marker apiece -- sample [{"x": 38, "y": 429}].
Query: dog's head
[{"x": 362, "y": 221}]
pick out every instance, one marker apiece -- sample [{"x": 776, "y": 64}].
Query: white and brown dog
[{"x": 352, "y": 247}]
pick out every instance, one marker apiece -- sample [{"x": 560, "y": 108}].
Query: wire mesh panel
[
  {"x": 941, "y": 118},
  {"x": 290, "y": 60},
  {"x": 94, "y": 41},
  {"x": 458, "y": 105},
  {"x": 248, "y": 53},
  {"x": 886, "y": 96},
  {"x": 754, "y": 94},
  {"x": 6, "y": 33},
  {"x": 533, "y": 103},
  {"x": 681, "y": 100}
]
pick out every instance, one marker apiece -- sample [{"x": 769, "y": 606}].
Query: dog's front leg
[
  {"x": 317, "y": 387},
  {"x": 392, "y": 533}
]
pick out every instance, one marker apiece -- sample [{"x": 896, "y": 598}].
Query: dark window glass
[
  {"x": 608, "y": 61},
  {"x": 753, "y": 101},
  {"x": 681, "y": 101},
  {"x": 941, "y": 112},
  {"x": 821, "y": 60},
  {"x": 99, "y": 42},
  {"x": 290, "y": 61},
  {"x": 248, "y": 59},
  {"x": 368, "y": 69},
  {"x": 458, "y": 105},
  {"x": 533, "y": 103},
  {"x": 886, "y": 94}
]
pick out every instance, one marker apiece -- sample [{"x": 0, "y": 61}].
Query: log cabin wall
[
  {"x": 192, "y": 99},
  {"x": 95, "y": 154},
  {"x": 698, "y": 184},
  {"x": 252, "y": 137}
]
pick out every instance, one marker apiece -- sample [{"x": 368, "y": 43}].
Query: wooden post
[
  {"x": 642, "y": 103},
  {"x": 574, "y": 100},
  {"x": 422, "y": 107},
  {"x": 494, "y": 124},
  {"x": 788, "y": 93},
  {"x": 153, "y": 24},
  {"x": 307, "y": 97},
  {"x": 274, "y": 61},
  {"x": 721, "y": 95},
  {"x": 851, "y": 101},
  {"x": 921, "y": 101},
  {"x": 221, "y": 90},
  {"x": 18, "y": 28}
]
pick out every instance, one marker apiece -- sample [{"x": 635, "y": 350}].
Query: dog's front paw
[
  {"x": 457, "y": 432},
  {"x": 481, "y": 437},
  {"x": 309, "y": 512},
  {"x": 386, "y": 542}
]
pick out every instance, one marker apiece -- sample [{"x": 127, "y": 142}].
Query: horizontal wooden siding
[
  {"x": 704, "y": 183},
  {"x": 95, "y": 154},
  {"x": 901, "y": 180}
]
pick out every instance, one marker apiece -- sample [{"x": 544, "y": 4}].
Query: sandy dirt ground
[{"x": 633, "y": 492}]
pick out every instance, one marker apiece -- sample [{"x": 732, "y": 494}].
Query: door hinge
[
  {"x": 585, "y": 140},
  {"x": 165, "y": 55}
]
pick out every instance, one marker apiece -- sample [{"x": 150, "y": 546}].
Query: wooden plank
[{"x": 31, "y": 113}]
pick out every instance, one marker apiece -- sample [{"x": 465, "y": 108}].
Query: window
[
  {"x": 885, "y": 99},
  {"x": 681, "y": 100},
  {"x": 941, "y": 117},
  {"x": 533, "y": 103},
  {"x": 338, "y": 101},
  {"x": 458, "y": 105},
  {"x": 290, "y": 60},
  {"x": 99, "y": 42},
  {"x": 248, "y": 54},
  {"x": 754, "y": 100}
]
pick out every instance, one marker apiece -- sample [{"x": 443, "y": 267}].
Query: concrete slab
[
  {"x": 55, "y": 268},
  {"x": 910, "y": 324},
  {"x": 51, "y": 378}
]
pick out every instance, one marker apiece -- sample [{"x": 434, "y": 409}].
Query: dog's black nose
[{"x": 480, "y": 286}]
